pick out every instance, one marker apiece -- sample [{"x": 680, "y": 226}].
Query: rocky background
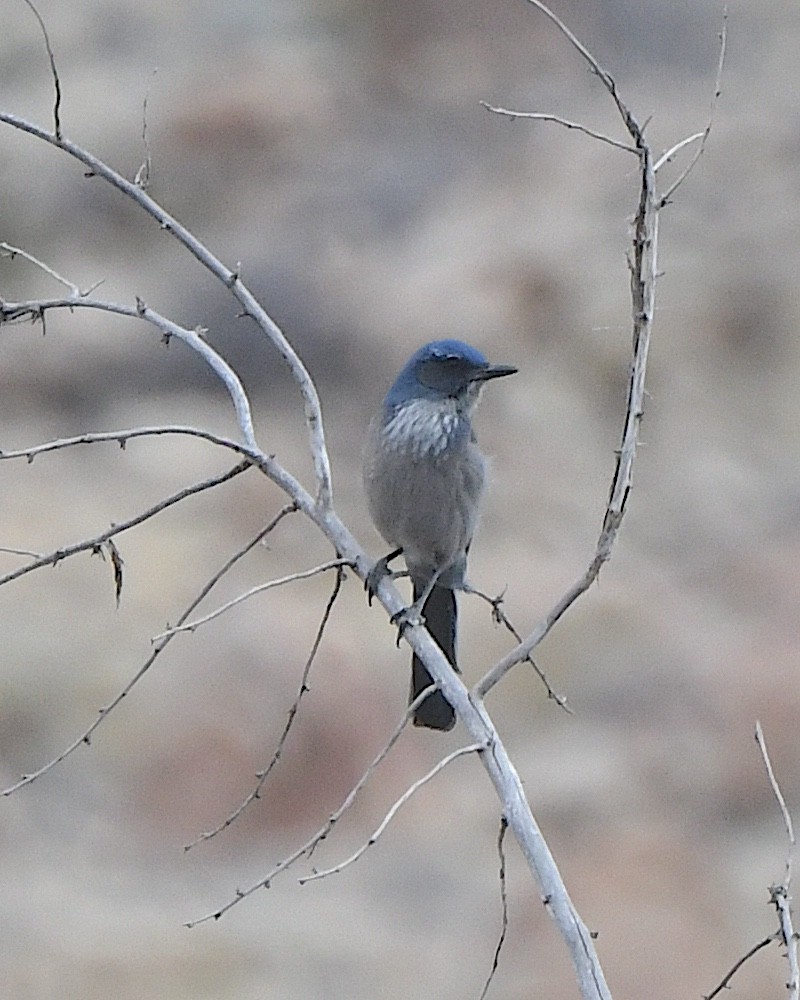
[{"x": 337, "y": 149}]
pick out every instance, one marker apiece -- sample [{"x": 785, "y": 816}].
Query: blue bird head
[{"x": 443, "y": 369}]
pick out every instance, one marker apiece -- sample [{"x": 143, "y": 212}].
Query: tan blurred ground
[{"x": 337, "y": 149}]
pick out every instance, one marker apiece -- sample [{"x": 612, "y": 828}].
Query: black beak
[{"x": 494, "y": 371}]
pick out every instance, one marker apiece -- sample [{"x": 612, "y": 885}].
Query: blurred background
[{"x": 337, "y": 149}]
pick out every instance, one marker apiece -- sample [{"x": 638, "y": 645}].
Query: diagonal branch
[
  {"x": 304, "y": 574},
  {"x": 276, "y": 756},
  {"x": 703, "y": 136},
  {"x": 231, "y": 280},
  {"x": 605, "y": 77},
  {"x": 35, "y": 309},
  {"x": 387, "y": 819},
  {"x": 724, "y": 984},
  {"x": 307, "y": 849},
  {"x": 94, "y": 544},
  {"x": 558, "y": 120},
  {"x": 501, "y": 836},
  {"x": 86, "y": 737}
]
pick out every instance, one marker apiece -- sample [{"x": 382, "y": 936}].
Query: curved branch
[
  {"x": 36, "y": 308},
  {"x": 121, "y": 437},
  {"x": 264, "y": 773},
  {"x": 542, "y": 116},
  {"x": 231, "y": 280},
  {"x": 387, "y": 819},
  {"x": 305, "y": 574},
  {"x": 86, "y": 737},
  {"x": 643, "y": 274}
]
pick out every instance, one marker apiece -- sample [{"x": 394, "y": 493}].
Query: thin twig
[
  {"x": 472, "y": 748},
  {"x": 643, "y": 282},
  {"x": 258, "y": 589},
  {"x": 194, "y": 339},
  {"x": 53, "y": 70},
  {"x": 723, "y": 44},
  {"x": 86, "y": 737},
  {"x": 313, "y": 842},
  {"x": 93, "y": 544},
  {"x": 776, "y": 791},
  {"x": 144, "y": 173},
  {"x": 276, "y": 756},
  {"x": 723, "y": 985},
  {"x": 544, "y": 117},
  {"x": 230, "y": 278},
  {"x": 670, "y": 154},
  {"x": 20, "y": 552},
  {"x": 501, "y": 836},
  {"x": 121, "y": 438},
  {"x": 606, "y": 78},
  {"x": 502, "y": 619},
  {"x": 11, "y": 251},
  {"x": 780, "y": 894}
]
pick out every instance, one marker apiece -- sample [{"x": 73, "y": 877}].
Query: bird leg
[
  {"x": 379, "y": 571},
  {"x": 412, "y": 615}
]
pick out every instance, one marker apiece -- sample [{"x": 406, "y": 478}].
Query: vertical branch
[
  {"x": 53, "y": 70},
  {"x": 643, "y": 294},
  {"x": 780, "y": 895}
]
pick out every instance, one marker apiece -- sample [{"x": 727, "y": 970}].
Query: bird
[{"x": 424, "y": 478}]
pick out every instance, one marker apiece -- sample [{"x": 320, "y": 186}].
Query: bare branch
[
  {"x": 723, "y": 985},
  {"x": 53, "y": 70},
  {"x": 144, "y": 173},
  {"x": 10, "y": 311},
  {"x": 121, "y": 437},
  {"x": 607, "y": 80},
  {"x": 387, "y": 819},
  {"x": 643, "y": 267},
  {"x": 94, "y": 544},
  {"x": 11, "y": 251},
  {"x": 20, "y": 552},
  {"x": 501, "y": 836},
  {"x": 776, "y": 791},
  {"x": 723, "y": 44},
  {"x": 265, "y": 773},
  {"x": 523, "y": 650},
  {"x": 781, "y": 900},
  {"x": 502, "y": 619},
  {"x": 780, "y": 894},
  {"x": 304, "y": 574},
  {"x": 544, "y": 117},
  {"x": 231, "y": 280},
  {"x": 311, "y": 845},
  {"x": 670, "y": 154},
  {"x": 86, "y": 737}
]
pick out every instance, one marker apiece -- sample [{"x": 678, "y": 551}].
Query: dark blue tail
[{"x": 440, "y": 613}]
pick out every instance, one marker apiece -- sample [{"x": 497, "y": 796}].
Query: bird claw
[
  {"x": 406, "y": 618},
  {"x": 373, "y": 579},
  {"x": 378, "y": 572}
]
